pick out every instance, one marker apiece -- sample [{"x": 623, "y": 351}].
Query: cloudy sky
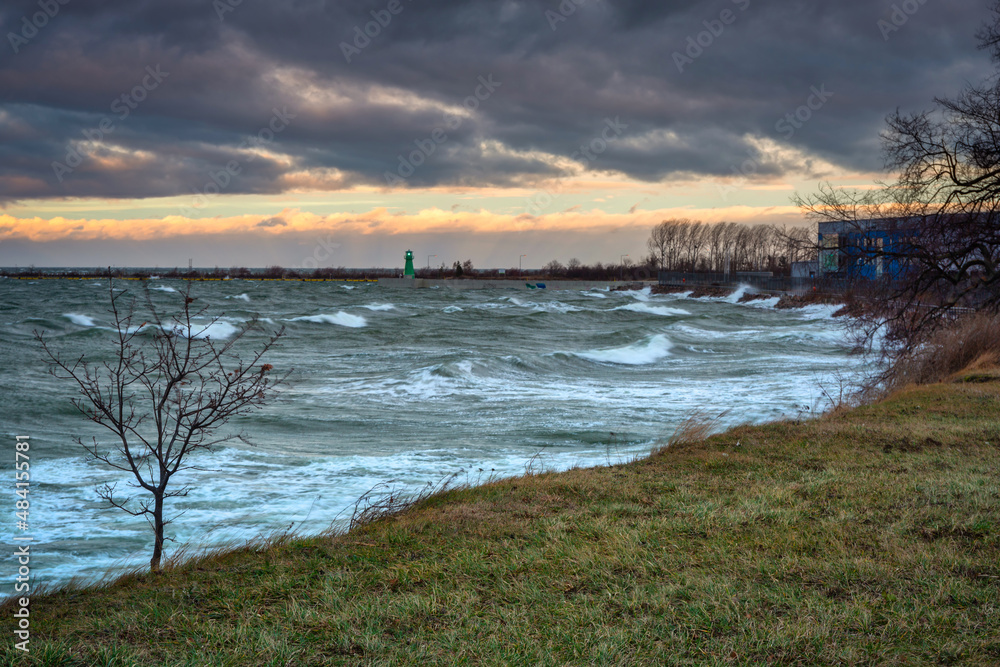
[{"x": 341, "y": 133}]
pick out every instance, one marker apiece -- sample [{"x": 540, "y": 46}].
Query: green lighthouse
[{"x": 408, "y": 271}]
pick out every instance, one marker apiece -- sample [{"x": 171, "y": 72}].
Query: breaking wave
[
  {"x": 340, "y": 319},
  {"x": 80, "y": 320},
  {"x": 642, "y": 307},
  {"x": 637, "y": 354}
]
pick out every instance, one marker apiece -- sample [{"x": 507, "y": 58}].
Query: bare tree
[
  {"x": 659, "y": 243},
  {"x": 164, "y": 395},
  {"x": 554, "y": 268},
  {"x": 933, "y": 234}
]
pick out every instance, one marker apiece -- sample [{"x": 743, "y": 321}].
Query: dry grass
[
  {"x": 694, "y": 429},
  {"x": 386, "y": 499},
  {"x": 971, "y": 340}
]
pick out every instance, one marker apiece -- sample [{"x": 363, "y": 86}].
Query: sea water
[{"x": 399, "y": 386}]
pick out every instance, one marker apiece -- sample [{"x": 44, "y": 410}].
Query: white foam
[
  {"x": 80, "y": 320},
  {"x": 428, "y": 383},
  {"x": 553, "y": 307},
  {"x": 163, "y": 288},
  {"x": 738, "y": 294},
  {"x": 764, "y": 303},
  {"x": 641, "y": 295},
  {"x": 241, "y": 297},
  {"x": 452, "y": 309},
  {"x": 543, "y": 306},
  {"x": 380, "y": 306},
  {"x": 817, "y": 311},
  {"x": 218, "y": 330},
  {"x": 637, "y": 354},
  {"x": 596, "y": 295},
  {"x": 665, "y": 311},
  {"x": 340, "y": 319}
]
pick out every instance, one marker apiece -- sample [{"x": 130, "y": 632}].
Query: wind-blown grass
[{"x": 867, "y": 536}]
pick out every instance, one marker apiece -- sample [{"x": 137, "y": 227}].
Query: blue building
[{"x": 866, "y": 249}]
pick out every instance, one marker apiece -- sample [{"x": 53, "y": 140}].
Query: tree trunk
[{"x": 154, "y": 562}]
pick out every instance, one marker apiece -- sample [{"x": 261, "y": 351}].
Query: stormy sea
[{"x": 397, "y": 386}]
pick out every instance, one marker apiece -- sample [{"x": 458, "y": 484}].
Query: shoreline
[
  {"x": 786, "y": 300},
  {"x": 863, "y": 532}
]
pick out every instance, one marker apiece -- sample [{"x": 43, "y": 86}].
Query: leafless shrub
[{"x": 971, "y": 340}]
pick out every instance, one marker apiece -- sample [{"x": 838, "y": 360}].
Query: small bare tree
[{"x": 164, "y": 394}]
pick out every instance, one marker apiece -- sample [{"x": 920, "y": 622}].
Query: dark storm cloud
[{"x": 560, "y": 76}]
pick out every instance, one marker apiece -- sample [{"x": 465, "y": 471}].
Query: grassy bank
[{"x": 864, "y": 537}]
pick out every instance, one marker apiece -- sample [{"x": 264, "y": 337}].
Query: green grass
[{"x": 867, "y": 536}]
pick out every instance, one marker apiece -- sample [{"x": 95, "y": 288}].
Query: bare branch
[{"x": 168, "y": 390}]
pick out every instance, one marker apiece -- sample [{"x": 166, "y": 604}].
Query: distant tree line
[
  {"x": 687, "y": 245},
  {"x": 673, "y": 245}
]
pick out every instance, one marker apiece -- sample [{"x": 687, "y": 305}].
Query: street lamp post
[
  {"x": 623, "y": 266},
  {"x": 429, "y": 261},
  {"x": 519, "y": 264}
]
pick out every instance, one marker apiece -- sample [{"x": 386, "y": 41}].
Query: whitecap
[
  {"x": 553, "y": 307},
  {"x": 817, "y": 311},
  {"x": 241, "y": 297},
  {"x": 80, "y": 320},
  {"x": 641, "y": 295},
  {"x": 738, "y": 294},
  {"x": 218, "y": 330},
  {"x": 764, "y": 303},
  {"x": 452, "y": 309},
  {"x": 341, "y": 319},
  {"x": 163, "y": 288},
  {"x": 637, "y": 354},
  {"x": 380, "y": 306},
  {"x": 665, "y": 311}
]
